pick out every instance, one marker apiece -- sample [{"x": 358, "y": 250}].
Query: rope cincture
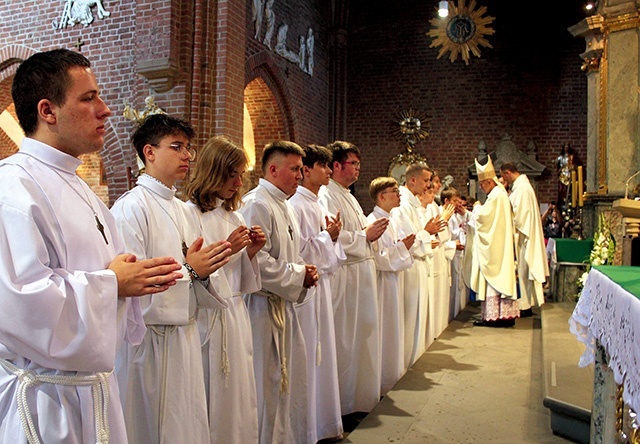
[
  {"x": 225, "y": 366},
  {"x": 100, "y": 390},
  {"x": 277, "y": 311}
]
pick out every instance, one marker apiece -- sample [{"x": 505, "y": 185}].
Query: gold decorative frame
[
  {"x": 401, "y": 161},
  {"x": 462, "y": 32}
]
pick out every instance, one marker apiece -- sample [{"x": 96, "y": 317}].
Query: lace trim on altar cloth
[{"x": 608, "y": 314}]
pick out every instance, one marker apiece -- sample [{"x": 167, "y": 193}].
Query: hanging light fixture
[{"x": 443, "y": 9}]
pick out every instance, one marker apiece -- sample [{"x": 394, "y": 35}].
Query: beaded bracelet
[{"x": 192, "y": 272}]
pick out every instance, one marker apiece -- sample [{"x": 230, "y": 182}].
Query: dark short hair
[
  {"x": 156, "y": 127},
  {"x": 509, "y": 166},
  {"x": 44, "y": 75},
  {"x": 340, "y": 151},
  {"x": 280, "y": 147},
  {"x": 316, "y": 154}
]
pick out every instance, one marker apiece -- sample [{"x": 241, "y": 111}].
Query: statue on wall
[
  {"x": 270, "y": 17},
  {"x": 257, "y": 15},
  {"x": 310, "y": 43},
  {"x": 302, "y": 54},
  {"x": 281, "y": 45},
  {"x": 79, "y": 11},
  {"x": 137, "y": 117},
  {"x": 151, "y": 107}
]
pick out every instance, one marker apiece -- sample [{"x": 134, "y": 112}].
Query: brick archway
[
  {"x": 268, "y": 106},
  {"x": 10, "y": 58}
]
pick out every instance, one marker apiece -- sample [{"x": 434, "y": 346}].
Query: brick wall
[
  {"x": 302, "y": 98},
  {"x": 529, "y": 84}
]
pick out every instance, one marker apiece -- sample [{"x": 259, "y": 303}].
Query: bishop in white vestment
[{"x": 490, "y": 257}]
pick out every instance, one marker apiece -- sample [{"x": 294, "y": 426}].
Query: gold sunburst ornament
[
  {"x": 463, "y": 32},
  {"x": 412, "y": 127}
]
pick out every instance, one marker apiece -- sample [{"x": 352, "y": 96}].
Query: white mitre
[{"x": 486, "y": 171}]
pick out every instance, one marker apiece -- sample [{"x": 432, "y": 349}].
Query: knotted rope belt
[
  {"x": 100, "y": 390},
  {"x": 278, "y": 316},
  {"x": 225, "y": 366}
]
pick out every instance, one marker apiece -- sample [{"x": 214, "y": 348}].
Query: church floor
[{"x": 473, "y": 385}]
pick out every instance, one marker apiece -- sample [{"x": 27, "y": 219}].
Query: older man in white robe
[
  {"x": 280, "y": 359},
  {"x": 64, "y": 282},
  {"x": 533, "y": 268},
  {"x": 489, "y": 268}
]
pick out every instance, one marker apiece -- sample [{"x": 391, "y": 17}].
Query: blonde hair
[
  {"x": 379, "y": 184},
  {"x": 215, "y": 163}
]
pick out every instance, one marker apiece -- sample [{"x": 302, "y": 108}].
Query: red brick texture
[{"x": 529, "y": 85}]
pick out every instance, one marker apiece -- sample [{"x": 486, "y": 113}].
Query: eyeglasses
[
  {"x": 355, "y": 163},
  {"x": 395, "y": 190},
  {"x": 179, "y": 147}
]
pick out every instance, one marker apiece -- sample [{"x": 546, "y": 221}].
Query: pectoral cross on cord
[
  {"x": 290, "y": 232},
  {"x": 100, "y": 228}
]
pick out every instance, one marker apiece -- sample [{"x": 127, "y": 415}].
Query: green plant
[{"x": 603, "y": 250}]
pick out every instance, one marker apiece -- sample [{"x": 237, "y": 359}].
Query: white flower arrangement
[{"x": 603, "y": 250}]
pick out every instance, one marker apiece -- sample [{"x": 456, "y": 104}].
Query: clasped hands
[{"x": 252, "y": 238}]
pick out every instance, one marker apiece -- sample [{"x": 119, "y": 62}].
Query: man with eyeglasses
[
  {"x": 154, "y": 221},
  {"x": 354, "y": 287}
]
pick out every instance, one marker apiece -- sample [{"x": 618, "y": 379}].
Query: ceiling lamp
[{"x": 443, "y": 9}]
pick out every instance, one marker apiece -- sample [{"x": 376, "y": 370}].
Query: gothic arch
[
  {"x": 262, "y": 66},
  {"x": 267, "y": 103},
  {"x": 10, "y": 58}
]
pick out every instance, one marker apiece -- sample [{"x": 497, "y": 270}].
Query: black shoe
[
  {"x": 500, "y": 323},
  {"x": 526, "y": 313}
]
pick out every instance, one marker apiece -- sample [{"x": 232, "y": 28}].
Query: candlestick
[
  {"x": 574, "y": 188},
  {"x": 580, "y": 185}
]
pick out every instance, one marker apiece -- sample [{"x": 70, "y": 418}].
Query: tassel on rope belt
[
  {"x": 224, "y": 355},
  {"x": 277, "y": 314},
  {"x": 100, "y": 390}
]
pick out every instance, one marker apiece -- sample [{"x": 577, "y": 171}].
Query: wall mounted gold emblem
[{"x": 463, "y": 32}]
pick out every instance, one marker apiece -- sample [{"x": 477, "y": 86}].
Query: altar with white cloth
[{"x": 607, "y": 320}]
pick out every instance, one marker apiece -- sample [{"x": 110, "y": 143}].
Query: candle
[
  {"x": 574, "y": 188},
  {"x": 580, "y": 185}
]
